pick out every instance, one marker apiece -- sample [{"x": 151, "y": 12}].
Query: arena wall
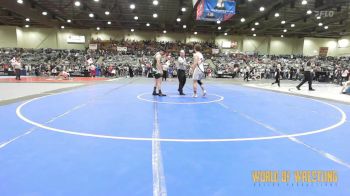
[{"x": 11, "y": 36}]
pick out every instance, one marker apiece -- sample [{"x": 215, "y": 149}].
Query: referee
[
  {"x": 181, "y": 71},
  {"x": 307, "y": 76}
]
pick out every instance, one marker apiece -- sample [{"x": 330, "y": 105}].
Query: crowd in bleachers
[{"x": 137, "y": 60}]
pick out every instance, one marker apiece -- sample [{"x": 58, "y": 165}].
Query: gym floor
[{"x": 114, "y": 138}]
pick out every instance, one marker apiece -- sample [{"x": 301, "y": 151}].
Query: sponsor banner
[
  {"x": 122, "y": 49},
  {"x": 215, "y": 51},
  {"x": 76, "y": 39},
  {"x": 93, "y": 46}
]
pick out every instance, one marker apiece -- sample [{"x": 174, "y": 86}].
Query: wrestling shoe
[
  {"x": 154, "y": 93},
  {"x": 194, "y": 95},
  {"x": 204, "y": 93}
]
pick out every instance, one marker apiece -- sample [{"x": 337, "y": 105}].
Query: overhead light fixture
[
  {"x": 218, "y": 22},
  {"x": 282, "y": 36},
  {"x": 155, "y": 15},
  {"x": 303, "y": 2},
  {"x": 98, "y": 28},
  {"x": 257, "y": 23},
  {"x": 26, "y": 26},
  {"x": 178, "y": 19},
  {"x": 225, "y": 34},
  {"x": 219, "y": 28},
  {"x": 325, "y": 27},
  {"x": 183, "y": 9},
  {"x": 308, "y": 12},
  {"x": 132, "y": 30},
  {"x": 136, "y": 17},
  {"x": 254, "y": 35},
  {"x": 283, "y": 22},
  {"x": 277, "y": 15},
  {"x": 96, "y": 0},
  {"x": 253, "y": 29},
  {"x": 292, "y": 25},
  {"x": 107, "y": 13},
  {"x": 184, "y": 26},
  {"x": 20, "y": 1},
  {"x": 132, "y": 6},
  {"x": 109, "y": 22},
  {"x": 62, "y": 27},
  {"x": 147, "y": 24},
  {"x": 318, "y": 17},
  {"x": 77, "y": 3},
  {"x": 44, "y": 13},
  {"x": 262, "y": 9},
  {"x": 155, "y": 2},
  {"x": 195, "y": 33},
  {"x": 27, "y": 19},
  {"x": 91, "y": 15},
  {"x": 242, "y": 19},
  {"x": 285, "y": 30},
  {"x": 320, "y": 24},
  {"x": 164, "y": 31},
  {"x": 69, "y": 20}
]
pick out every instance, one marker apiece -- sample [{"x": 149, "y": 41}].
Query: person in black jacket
[
  {"x": 307, "y": 76},
  {"x": 277, "y": 75}
]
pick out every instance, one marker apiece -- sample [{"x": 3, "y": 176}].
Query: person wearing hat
[{"x": 181, "y": 71}]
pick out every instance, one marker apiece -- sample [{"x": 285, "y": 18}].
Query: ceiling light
[
  {"x": 132, "y": 6},
  {"x": 257, "y": 23},
  {"x": 20, "y": 1},
  {"x": 303, "y": 2},
  {"x": 44, "y": 13},
  {"x": 277, "y": 15},
  {"x": 27, "y": 19},
  {"x": 69, "y": 20},
  {"x": 218, "y": 22},
  {"x": 77, "y": 3},
  {"x": 178, "y": 19},
  {"x": 98, "y": 28},
  {"x": 183, "y": 9},
  {"x": 242, "y": 19},
  {"x": 318, "y": 17},
  {"x": 26, "y": 26},
  {"x": 62, "y": 27},
  {"x": 320, "y": 24},
  {"x": 91, "y": 15},
  {"x": 109, "y": 22},
  {"x": 155, "y": 15},
  {"x": 164, "y": 31},
  {"x": 253, "y": 29},
  {"x": 107, "y": 13},
  {"x": 254, "y": 35},
  {"x": 155, "y": 2},
  {"x": 325, "y": 27},
  {"x": 148, "y": 24},
  {"x": 136, "y": 17},
  {"x": 132, "y": 30},
  {"x": 308, "y": 12},
  {"x": 219, "y": 28},
  {"x": 282, "y": 36},
  {"x": 96, "y": 0},
  {"x": 292, "y": 25},
  {"x": 225, "y": 34},
  {"x": 184, "y": 26},
  {"x": 285, "y": 30},
  {"x": 283, "y": 22},
  {"x": 195, "y": 33},
  {"x": 262, "y": 9}
]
